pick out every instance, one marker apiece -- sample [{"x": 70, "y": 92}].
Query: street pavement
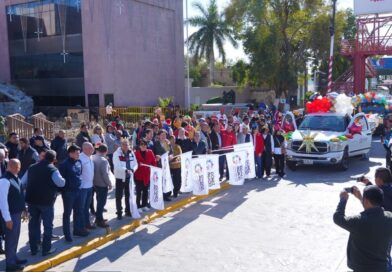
[{"x": 265, "y": 225}]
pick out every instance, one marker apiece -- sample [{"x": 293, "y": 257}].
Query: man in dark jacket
[
  {"x": 43, "y": 181},
  {"x": 12, "y": 205},
  {"x": 12, "y": 145},
  {"x": 26, "y": 155},
  {"x": 199, "y": 147},
  {"x": 370, "y": 232},
  {"x": 59, "y": 144},
  {"x": 83, "y": 136},
  {"x": 71, "y": 170}
]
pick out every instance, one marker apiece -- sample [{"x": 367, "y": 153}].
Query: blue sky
[{"x": 233, "y": 53}]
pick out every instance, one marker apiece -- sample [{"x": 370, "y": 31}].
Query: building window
[
  {"x": 43, "y": 19},
  {"x": 109, "y": 98}
]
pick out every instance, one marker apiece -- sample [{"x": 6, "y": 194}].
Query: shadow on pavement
[{"x": 217, "y": 206}]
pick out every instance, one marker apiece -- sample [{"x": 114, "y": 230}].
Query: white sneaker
[
  {"x": 140, "y": 210},
  {"x": 146, "y": 209}
]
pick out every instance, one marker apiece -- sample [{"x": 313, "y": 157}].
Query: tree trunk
[{"x": 212, "y": 66}]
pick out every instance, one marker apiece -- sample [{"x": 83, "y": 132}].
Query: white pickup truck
[{"x": 311, "y": 144}]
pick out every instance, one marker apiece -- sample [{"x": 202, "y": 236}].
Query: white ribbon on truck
[
  {"x": 166, "y": 176},
  {"x": 186, "y": 172},
  {"x": 236, "y": 164},
  {"x": 250, "y": 168},
  {"x": 156, "y": 193},
  {"x": 199, "y": 176}
]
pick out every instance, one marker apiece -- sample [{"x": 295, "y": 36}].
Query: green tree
[
  {"x": 213, "y": 30},
  {"x": 280, "y": 35}
]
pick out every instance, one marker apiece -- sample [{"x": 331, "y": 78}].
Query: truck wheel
[
  {"x": 292, "y": 166},
  {"x": 343, "y": 166}
]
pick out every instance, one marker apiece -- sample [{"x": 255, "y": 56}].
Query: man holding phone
[{"x": 370, "y": 232}]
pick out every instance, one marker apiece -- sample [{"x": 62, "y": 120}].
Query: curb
[{"x": 78, "y": 250}]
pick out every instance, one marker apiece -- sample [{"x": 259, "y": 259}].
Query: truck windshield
[{"x": 324, "y": 123}]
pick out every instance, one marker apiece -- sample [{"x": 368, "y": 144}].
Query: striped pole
[{"x": 332, "y": 33}]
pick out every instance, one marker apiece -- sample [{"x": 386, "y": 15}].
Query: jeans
[
  {"x": 85, "y": 201},
  {"x": 279, "y": 164},
  {"x": 141, "y": 194},
  {"x": 121, "y": 189},
  {"x": 259, "y": 166},
  {"x": 176, "y": 176},
  {"x": 101, "y": 195},
  {"x": 222, "y": 160},
  {"x": 12, "y": 239},
  {"x": 267, "y": 163},
  {"x": 46, "y": 213},
  {"x": 71, "y": 203}
]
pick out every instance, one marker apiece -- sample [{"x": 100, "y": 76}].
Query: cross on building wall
[{"x": 64, "y": 54}]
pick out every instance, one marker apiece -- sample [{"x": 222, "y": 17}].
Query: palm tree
[{"x": 213, "y": 31}]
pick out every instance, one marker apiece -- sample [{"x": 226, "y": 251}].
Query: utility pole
[{"x": 332, "y": 33}]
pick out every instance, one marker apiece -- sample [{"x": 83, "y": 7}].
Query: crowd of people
[{"x": 35, "y": 171}]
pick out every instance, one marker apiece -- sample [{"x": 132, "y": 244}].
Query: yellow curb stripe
[{"x": 79, "y": 250}]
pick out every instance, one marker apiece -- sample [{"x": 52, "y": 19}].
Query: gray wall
[
  {"x": 200, "y": 95},
  {"x": 138, "y": 55}
]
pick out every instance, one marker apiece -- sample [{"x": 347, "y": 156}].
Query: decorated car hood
[{"x": 319, "y": 136}]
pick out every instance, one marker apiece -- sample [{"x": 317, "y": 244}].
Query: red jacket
[
  {"x": 143, "y": 172},
  {"x": 228, "y": 139},
  {"x": 258, "y": 142}
]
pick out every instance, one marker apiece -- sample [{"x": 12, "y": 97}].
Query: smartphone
[
  {"x": 360, "y": 179},
  {"x": 349, "y": 190}
]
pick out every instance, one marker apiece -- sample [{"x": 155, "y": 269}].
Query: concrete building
[{"x": 92, "y": 52}]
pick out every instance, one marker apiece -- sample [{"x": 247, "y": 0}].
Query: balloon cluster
[
  {"x": 375, "y": 98},
  {"x": 320, "y": 104}
]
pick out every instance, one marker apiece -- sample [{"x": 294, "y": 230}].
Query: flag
[
  {"x": 250, "y": 168},
  {"x": 132, "y": 199},
  {"x": 212, "y": 162},
  {"x": 156, "y": 193},
  {"x": 186, "y": 172},
  {"x": 199, "y": 176},
  {"x": 166, "y": 176},
  {"x": 236, "y": 165}
]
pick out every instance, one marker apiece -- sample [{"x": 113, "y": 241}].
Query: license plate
[{"x": 308, "y": 162}]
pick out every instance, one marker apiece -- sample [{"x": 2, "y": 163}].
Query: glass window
[
  {"x": 44, "y": 18},
  {"x": 109, "y": 98},
  {"x": 47, "y": 66}
]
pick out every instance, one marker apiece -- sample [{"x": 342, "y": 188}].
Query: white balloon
[{"x": 343, "y": 104}]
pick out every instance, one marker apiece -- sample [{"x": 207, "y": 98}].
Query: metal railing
[
  {"x": 135, "y": 114},
  {"x": 16, "y": 123}
]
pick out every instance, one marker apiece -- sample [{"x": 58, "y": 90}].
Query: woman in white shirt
[{"x": 98, "y": 138}]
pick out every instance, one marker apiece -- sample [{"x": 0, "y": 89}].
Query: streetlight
[{"x": 332, "y": 33}]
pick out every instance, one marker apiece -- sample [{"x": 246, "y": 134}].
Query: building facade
[{"x": 92, "y": 52}]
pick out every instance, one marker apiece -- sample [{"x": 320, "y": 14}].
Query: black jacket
[
  {"x": 60, "y": 146},
  {"x": 12, "y": 150},
  {"x": 215, "y": 140},
  {"x": 200, "y": 148},
  {"x": 370, "y": 236}
]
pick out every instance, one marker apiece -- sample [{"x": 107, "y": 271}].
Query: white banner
[
  {"x": 199, "y": 176},
  {"x": 166, "y": 176},
  {"x": 132, "y": 199},
  {"x": 212, "y": 162},
  {"x": 186, "y": 172},
  {"x": 250, "y": 168},
  {"x": 156, "y": 193},
  {"x": 236, "y": 165},
  {"x": 362, "y": 7}
]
